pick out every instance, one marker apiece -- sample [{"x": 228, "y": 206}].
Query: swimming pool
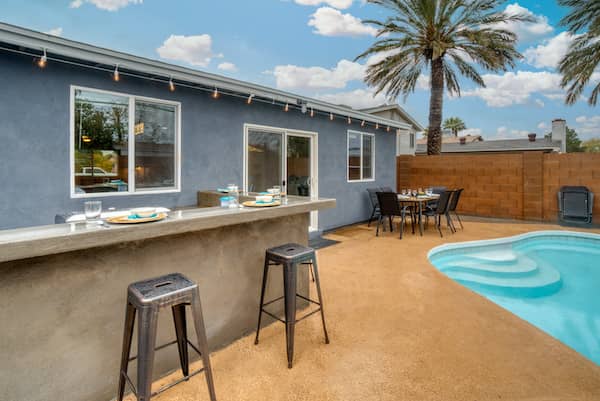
[{"x": 549, "y": 278}]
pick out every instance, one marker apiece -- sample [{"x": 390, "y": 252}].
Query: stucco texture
[
  {"x": 34, "y": 127},
  {"x": 61, "y": 320}
]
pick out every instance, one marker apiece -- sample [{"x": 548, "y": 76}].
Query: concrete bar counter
[{"x": 63, "y": 291}]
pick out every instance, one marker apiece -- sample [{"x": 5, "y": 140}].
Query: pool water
[{"x": 549, "y": 278}]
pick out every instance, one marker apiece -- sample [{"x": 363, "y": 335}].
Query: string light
[
  {"x": 286, "y": 108},
  {"x": 43, "y": 60}
]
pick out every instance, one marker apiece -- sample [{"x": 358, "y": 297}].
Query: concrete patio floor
[{"x": 400, "y": 330}]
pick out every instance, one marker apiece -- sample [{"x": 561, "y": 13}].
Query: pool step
[
  {"x": 519, "y": 267},
  {"x": 500, "y": 256},
  {"x": 545, "y": 281}
]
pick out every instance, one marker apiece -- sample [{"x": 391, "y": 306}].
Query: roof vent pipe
[{"x": 532, "y": 137}]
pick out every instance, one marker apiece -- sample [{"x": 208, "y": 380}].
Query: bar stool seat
[
  {"x": 148, "y": 297},
  {"x": 290, "y": 256}
]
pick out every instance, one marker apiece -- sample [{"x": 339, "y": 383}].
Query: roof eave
[{"x": 19, "y": 36}]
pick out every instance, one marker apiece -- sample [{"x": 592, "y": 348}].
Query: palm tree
[
  {"x": 439, "y": 35},
  {"x": 583, "y": 57},
  {"x": 454, "y": 124}
]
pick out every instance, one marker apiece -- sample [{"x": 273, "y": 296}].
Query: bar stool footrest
[{"x": 168, "y": 386}]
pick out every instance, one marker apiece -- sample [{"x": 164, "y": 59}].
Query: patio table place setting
[
  {"x": 93, "y": 216},
  {"x": 272, "y": 197}
]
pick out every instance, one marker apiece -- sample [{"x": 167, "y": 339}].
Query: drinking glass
[
  {"x": 92, "y": 210},
  {"x": 403, "y": 192}
]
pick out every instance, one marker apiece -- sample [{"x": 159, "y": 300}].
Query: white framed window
[
  {"x": 123, "y": 144},
  {"x": 360, "y": 157}
]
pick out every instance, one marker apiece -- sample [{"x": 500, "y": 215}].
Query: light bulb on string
[
  {"x": 43, "y": 60},
  {"x": 215, "y": 93},
  {"x": 312, "y": 112},
  {"x": 349, "y": 120},
  {"x": 171, "y": 85},
  {"x": 116, "y": 75},
  {"x": 362, "y": 124},
  {"x": 286, "y": 108},
  {"x": 249, "y": 101},
  {"x": 331, "y": 116}
]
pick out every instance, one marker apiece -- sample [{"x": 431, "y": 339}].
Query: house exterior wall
[{"x": 34, "y": 127}]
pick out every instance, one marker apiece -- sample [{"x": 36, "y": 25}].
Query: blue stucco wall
[{"x": 34, "y": 151}]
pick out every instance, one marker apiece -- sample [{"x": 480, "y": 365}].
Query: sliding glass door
[
  {"x": 286, "y": 158},
  {"x": 264, "y": 158}
]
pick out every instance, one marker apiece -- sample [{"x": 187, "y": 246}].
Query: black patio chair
[
  {"x": 374, "y": 204},
  {"x": 390, "y": 207},
  {"x": 386, "y": 189},
  {"x": 441, "y": 210},
  {"x": 432, "y": 205},
  {"x": 452, "y": 207}
]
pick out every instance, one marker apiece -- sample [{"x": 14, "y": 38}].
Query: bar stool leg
[
  {"x": 181, "y": 334},
  {"x": 289, "y": 291},
  {"x": 146, "y": 342},
  {"x": 203, "y": 343},
  {"x": 262, "y": 297},
  {"x": 127, "y": 336},
  {"x": 318, "y": 285}
]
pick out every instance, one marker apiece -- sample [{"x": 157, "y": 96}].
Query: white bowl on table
[
  {"x": 264, "y": 198},
  {"x": 144, "y": 212}
]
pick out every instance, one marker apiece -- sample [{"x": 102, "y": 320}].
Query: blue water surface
[{"x": 550, "y": 280}]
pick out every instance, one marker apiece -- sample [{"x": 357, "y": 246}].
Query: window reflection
[
  {"x": 101, "y": 136},
  {"x": 154, "y": 131}
]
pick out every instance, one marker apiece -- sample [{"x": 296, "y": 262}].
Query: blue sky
[{"x": 308, "y": 47}]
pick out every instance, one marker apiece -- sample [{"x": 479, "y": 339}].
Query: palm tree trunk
[{"x": 434, "y": 138}]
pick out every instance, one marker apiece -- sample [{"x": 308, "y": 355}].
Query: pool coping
[{"x": 507, "y": 240}]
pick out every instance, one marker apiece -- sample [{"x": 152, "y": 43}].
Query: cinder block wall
[{"x": 506, "y": 185}]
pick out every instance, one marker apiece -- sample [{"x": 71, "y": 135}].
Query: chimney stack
[
  {"x": 559, "y": 133},
  {"x": 531, "y": 137}
]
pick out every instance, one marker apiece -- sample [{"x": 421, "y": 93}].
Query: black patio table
[{"x": 418, "y": 201}]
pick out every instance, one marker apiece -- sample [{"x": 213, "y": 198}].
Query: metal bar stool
[
  {"x": 290, "y": 256},
  {"x": 149, "y": 297}
]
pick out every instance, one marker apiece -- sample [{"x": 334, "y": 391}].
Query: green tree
[
  {"x": 454, "y": 124},
  {"x": 583, "y": 56},
  {"x": 443, "y": 37},
  {"x": 573, "y": 141},
  {"x": 591, "y": 145}
]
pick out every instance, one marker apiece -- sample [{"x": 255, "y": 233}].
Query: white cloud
[
  {"x": 108, "y": 5},
  {"x": 195, "y": 50},
  {"x": 358, "y": 98},
  {"x": 542, "y": 126},
  {"x": 516, "y": 88},
  {"x": 588, "y": 127},
  {"x": 295, "y": 77},
  {"x": 504, "y": 132},
  {"x": 540, "y": 102},
  {"x": 328, "y": 21},
  {"x": 227, "y": 66},
  {"x": 341, "y": 4},
  {"x": 55, "y": 31},
  {"x": 550, "y": 52},
  {"x": 526, "y": 30},
  {"x": 471, "y": 131}
]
